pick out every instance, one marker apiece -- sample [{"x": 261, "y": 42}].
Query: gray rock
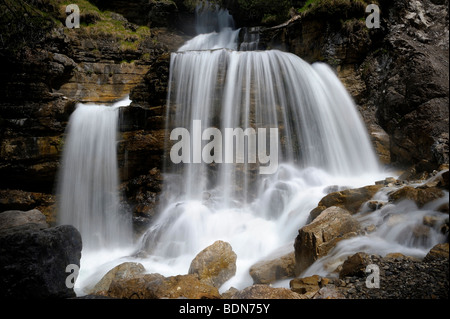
[
  {"x": 33, "y": 260},
  {"x": 12, "y": 218}
]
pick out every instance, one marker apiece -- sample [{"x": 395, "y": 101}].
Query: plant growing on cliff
[{"x": 21, "y": 24}]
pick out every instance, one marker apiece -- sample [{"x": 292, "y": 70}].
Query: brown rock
[
  {"x": 418, "y": 195},
  {"x": 349, "y": 199},
  {"x": 329, "y": 292},
  {"x": 355, "y": 265},
  {"x": 306, "y": 284},
  {"x": 440, "y": 251},
  {"x": 215, "y": 264},
  {"x": 268, "y": 271},
  {"x": 266, "y": 292},
  {"x": 122, "y": 271},
  {"x": 156, "y": 286},
  {"x": 319, "y": 237}
]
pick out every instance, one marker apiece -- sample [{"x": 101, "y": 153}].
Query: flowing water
[
  {"x": 88, "y": 183},
  {"x": 320, "y": 141}
]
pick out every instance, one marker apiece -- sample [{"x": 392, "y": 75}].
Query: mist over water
[{"x": 322, "y": 142}]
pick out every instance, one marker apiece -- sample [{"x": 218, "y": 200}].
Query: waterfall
[
  {"x": 321, "y": 141},
  {"x": 256, "y": 139},
  {"x": 88, "y": 179}
]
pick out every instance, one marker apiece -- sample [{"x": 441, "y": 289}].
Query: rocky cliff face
[{"x": 397, "y": 74}]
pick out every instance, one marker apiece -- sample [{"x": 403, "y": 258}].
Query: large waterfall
[
  {"x": 214, "y": 88},
  {"x": 256, "y": 138}
]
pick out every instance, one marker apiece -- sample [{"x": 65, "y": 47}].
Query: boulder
[
  {"x": 215, "y": 264},
  {"x": 269, "y": 271},
  {"x": 349, "y": 199},
  {"x": 316, "y": 239},
  {"x": 439, "y": 251},
  {"x": 156, "y": 286},
  {"x": 355, "y": 265},
  {"x": 266, "y": 292},
  {"x": 329, "y": 292},
  {"x": 420, "y": 196},
  {"x": 310, "y": 284},
  {"x": 14, "y": 218},
  {"x": 34, "y": 258},
  {"x": 122, "y": 271}
]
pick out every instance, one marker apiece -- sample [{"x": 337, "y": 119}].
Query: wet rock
[
  {"x": 320, "y": 236},
  {"x": 122, "y": 271},
  {"x": 269, "y": 271},
  {"x": 418, "y": 195},
  {"x": 215, "y": 264},
  {"x": 156, "y": 286},
  {"x": 310, "y": 284},
  {"x": 349, "y": 199},
  {"x": 266, "y": 292}
]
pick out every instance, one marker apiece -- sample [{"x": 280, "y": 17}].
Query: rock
[
  {"x": 441, "y": 180},
  {"x": 307, "y": 284},
  {"x": 355, "y": 265},
  {"x": 320, "y": 236},
  {"x": 329, "y": 292},
  {"x": 12, "y": 199},
  {"x": 412, "y": 104},
  {"x": 418, "y": 195},
  {"x": 440, "y": 251},
  {"x": 215, "y": 264},
  {"x": 269, "y": 271},
  {"x": 122, "y": 271},
  {"x": 14, "y": 218},
  {"x": 349, "y": 199},
  {"x": 156, "y": 286},
  {"x": 34, "y": 258},
  {"x": 381, "y": 142},
  {"x": 401, "y": 277},
  {"x": 266, "y": 292}
]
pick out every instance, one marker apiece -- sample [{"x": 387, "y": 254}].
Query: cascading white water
[
  {"x": 322, "y": 142},
  {"x": 88, "y": 179}
]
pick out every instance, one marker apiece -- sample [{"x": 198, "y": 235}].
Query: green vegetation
[
  {"x": 29, "y": 22},
  {"x": 105, "y": 24}
]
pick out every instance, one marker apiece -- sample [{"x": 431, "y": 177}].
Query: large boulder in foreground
[
  {"x": 215, "y": 264},
  {"x": 122, "y": 271},
  {"x": 316, "y": 239},
  {"x": 34, "y": 258},
  {"x": 269, "y": 271},
  {"x": 265, "y": 292},
  {"x": 156, "y": 286}
]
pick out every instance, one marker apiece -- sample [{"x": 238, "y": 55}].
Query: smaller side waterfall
[{"x": 88, "y": 179}]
